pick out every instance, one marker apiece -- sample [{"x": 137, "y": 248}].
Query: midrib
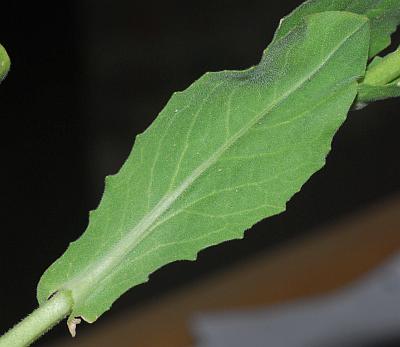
[{"x": 83, "y": 283}]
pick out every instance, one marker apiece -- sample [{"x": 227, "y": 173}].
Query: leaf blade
[
  {"x": 383, "y": 14},
  {"x": 192, "y": 165}
]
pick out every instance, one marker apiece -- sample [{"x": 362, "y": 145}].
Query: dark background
[{"x": 88, "y": 75}]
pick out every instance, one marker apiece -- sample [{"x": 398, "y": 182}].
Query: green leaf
[
  {"x": 4, "y": 63},
  {"x": 381, "y": 81},
  {"x": 384, "y": 17},
  {"x": 383, "y": 70},
  {"x": 227, "y": 152},
  {"x": 369, "y": 93}
]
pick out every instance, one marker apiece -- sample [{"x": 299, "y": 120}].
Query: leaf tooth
[
  {"x": 92, "y": 214},
  {"x": 177, "y": 93},
  {"x": 108, "y": 180},
  {"x": 138, "y": 138},
  {"x": 239, "y": 235},
  {"x": 191, "y": 257}
]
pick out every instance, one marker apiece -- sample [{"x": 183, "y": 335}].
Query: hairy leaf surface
[
  {"x": 227, "y": 152},
  {"x": 384, "y": 17}
]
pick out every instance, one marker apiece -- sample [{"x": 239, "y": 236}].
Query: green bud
[{"x": 4, "y": 63}]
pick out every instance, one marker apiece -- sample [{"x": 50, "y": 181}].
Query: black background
[{"x": 88, "y": 75}]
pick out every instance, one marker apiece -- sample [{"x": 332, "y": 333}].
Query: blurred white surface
[{"x": 362, "y": 314}]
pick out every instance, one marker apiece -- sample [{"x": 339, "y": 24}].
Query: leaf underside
[
  {"x": 384, "y": 16},
  {"x": 225, "y": 153}
]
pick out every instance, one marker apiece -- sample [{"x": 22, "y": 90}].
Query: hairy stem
[{"x": 39, "y": 321}]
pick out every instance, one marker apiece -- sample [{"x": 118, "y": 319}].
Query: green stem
[
  {"x": 38, "y": 322},
  {"x": 387, "y": 70}
]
